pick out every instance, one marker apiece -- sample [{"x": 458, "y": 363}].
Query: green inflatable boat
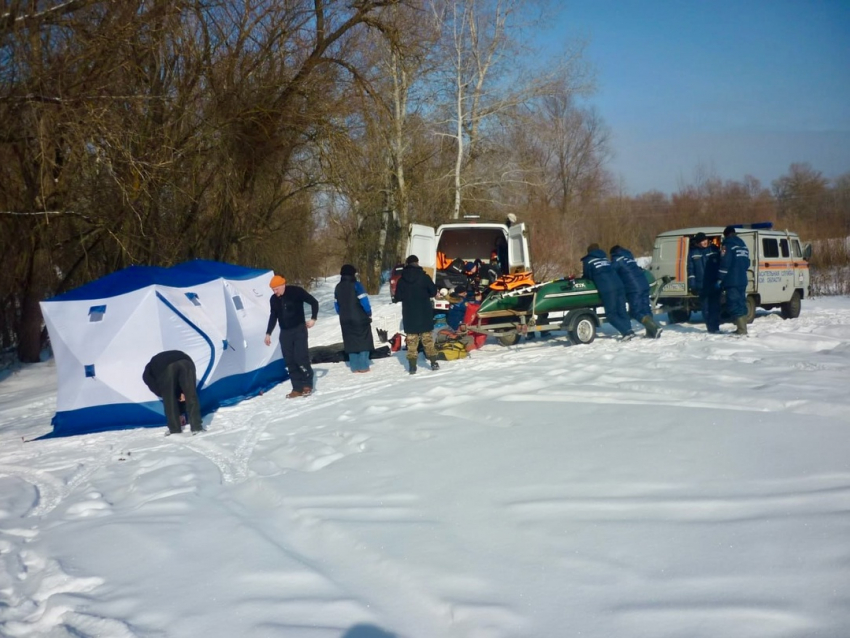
[{"x": 567, "y": 304}]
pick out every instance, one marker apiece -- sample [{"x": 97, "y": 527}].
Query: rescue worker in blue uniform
[
  {"x": 597, "y": 268},
  {"x": 732, "y": 277},
  {"x": 703, "y": 266},
  {"x": 637, "y": 289}
]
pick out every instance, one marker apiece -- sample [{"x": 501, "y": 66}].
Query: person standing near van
[
  {"x": 287, "y": 309},
  {"x": 598, "y": 269},
  {"x": 732, "y": 277},
  {"x": 415, "y": 290},
  {"x": 637, "y": 289},
  {"x": 355, "y": 318},
  {"x": 703, "y": 267}
]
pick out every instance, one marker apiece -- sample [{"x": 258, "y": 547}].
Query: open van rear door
[
  {"x": 518, "y": 256},
  {"x": 422, "y": 242}
]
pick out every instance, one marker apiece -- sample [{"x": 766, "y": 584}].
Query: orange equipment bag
[{"x": 514, "y": 281}]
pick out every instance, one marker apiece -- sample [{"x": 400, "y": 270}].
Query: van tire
[
  {"x": 752, "y": 303},
  {"x": 678, "y": 315},
  {"x": 791, "y": 309},
  {"x": 582, "y": 329},
  {"x": 508, "y": 339}
]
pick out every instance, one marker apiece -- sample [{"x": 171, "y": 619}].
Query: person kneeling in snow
[{"x": 170, "y": 375}]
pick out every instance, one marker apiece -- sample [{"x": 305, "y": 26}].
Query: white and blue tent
[{"x": 104, "y": 333}]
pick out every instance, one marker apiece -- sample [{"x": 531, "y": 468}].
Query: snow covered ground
[{"x": 695, "y": 486}]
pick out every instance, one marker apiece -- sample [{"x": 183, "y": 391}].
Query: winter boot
[
  {"x": 434, "y": 364},
  {"x": 628, "y": 336},
  {"x": 741, "y": 325},
  {"x": 412, "y": 364},
  {"x": 653, "y": 330}
]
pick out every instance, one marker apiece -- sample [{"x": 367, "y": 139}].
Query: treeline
[{"x": 299, "y": 135}]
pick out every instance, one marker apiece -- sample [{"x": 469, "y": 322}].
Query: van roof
[
  {"x": 459, "y": 225},
  {"x": 718, "y": 230}
]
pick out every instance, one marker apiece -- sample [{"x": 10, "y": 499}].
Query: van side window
[
  {"x": 783, "y": 247},
  {"x": 769, "y": 248},
  {"x": 797, "y": 251}
]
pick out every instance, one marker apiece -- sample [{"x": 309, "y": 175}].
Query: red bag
[
  {"x": 395, "y": 342},
  {"x": 469, "y": 319}
]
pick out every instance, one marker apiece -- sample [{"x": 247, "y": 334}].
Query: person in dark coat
[
  {"x": 415, "y": 290},
  {"x": 732, "y": 277},
  {"x": 703, "y": 267},
  {"x": 355, "y": 318},
  {"x": 287, "y": 310},
  {"x": 598, "y": 269},
  {"x": 637, "y": 289},
  {"x": 171, "y": 376}
]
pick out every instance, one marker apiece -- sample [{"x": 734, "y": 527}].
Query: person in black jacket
[
  {"x": 355, "y": 318},
  {"x": 170, "y": 375},
  {"x": 415, "y": 290},
  {"x": 287, "y": 310}
]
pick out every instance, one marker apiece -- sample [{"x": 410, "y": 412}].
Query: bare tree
[{"x": 485, "y": 81}]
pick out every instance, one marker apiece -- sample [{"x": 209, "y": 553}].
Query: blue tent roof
[{"x": 183, "y": 275}]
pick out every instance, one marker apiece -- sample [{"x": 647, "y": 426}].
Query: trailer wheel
[
  {"x": 582, "y": 330},
  {"x": 791, "y": 309},
  {"x": 678, "y": 315},
  {"x": 751, "y": 308},
  {"x": 508, "y": 339}
]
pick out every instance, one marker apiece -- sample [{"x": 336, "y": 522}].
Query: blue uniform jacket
[
  {"x": 734, "y": 263},
  {"x": 599, "y": 270},
  {"x": 630, "y": 273},
  {"x": 703, "y": 264}
]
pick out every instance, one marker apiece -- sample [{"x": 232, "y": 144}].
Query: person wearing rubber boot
[
  {"x": 636, "y": 286},
  {"x": 732, "y": 277},
  {"x": 415, "y": 290},
  {"x": 286, "y": 308},
  {"x": 171, "y": 376},
  {"x": 703, "y": 267},
  {"x": 598, "y": 269}
]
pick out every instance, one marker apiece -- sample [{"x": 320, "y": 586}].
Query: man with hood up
[
  {"x": 598, "y": 269},
  {"x": 637, "y": 289},
  {"x": 415, "y": 290}
]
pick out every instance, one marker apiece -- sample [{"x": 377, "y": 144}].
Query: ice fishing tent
[{"x": 105, "y": 332}]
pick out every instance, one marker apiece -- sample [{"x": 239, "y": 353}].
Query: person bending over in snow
[{"x": 170, "y": 375}]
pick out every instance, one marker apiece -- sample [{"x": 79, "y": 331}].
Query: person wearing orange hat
[{"x": 287, "y": 310}]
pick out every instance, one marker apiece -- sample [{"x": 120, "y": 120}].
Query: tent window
[
  {"x": 193, "y": 297},
  {"x": 96, "y": 313},
  {"x": 90, "y": 370},
  {"x": 237, "y": 301}
]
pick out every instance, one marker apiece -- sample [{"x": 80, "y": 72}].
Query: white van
[
  {"x": 468, "y": 240},
  {"x": 778, "y": 275}
]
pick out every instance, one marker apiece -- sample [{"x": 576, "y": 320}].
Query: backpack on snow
[{"x": 450, "y": 350}]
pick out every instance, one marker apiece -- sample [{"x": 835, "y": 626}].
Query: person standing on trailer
[
  {"x": 732, "y": 277},
  {"x": 598, "y": 269}
]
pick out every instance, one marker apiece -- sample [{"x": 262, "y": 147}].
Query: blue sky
[{"x": 728, "y": 88}]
